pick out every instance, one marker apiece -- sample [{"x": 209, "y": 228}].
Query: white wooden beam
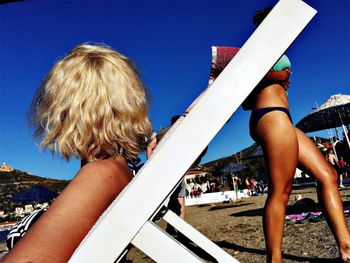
[
  {"x": 202, "y": 241},
  {"x": 189, "y": 136},
  {"x": 161, "y": 247}
]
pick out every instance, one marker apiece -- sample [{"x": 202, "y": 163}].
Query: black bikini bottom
[{"x": 258, "y": 113}]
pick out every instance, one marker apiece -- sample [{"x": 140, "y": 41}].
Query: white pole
[
  {"x": 344, "y": 129},
  {"x": 346, "y": 135}
]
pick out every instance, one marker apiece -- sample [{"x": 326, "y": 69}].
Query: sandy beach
[{"x": 237, "y": 228}]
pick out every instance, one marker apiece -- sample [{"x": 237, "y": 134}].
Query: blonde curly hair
[{"x": 92, "y": 104}]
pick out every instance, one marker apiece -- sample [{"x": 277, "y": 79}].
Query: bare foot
[{"x": 345, "y": 253}]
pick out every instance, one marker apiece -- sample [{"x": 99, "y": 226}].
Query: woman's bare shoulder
[
  {"x": 112, "y": 170},
  {"x": 73, "y": 213},
  {"x": 111, "y": 165}
]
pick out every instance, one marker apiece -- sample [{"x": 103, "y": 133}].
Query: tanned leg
[
  {"x": 341, "y": 180},
  {"x": 328, "y": 194},
  {"x": 181, "y": 201},
  {"x": 277, "y": 136}
]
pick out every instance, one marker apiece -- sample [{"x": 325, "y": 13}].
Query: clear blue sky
[{"x": 170, "y": 41}]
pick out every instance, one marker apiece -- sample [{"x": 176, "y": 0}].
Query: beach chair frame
[{"x": 129, "y": 218}]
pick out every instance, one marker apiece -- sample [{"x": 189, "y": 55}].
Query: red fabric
[
  {"x": 221, "y": 56},
  {"x": 342, "y": 164}
]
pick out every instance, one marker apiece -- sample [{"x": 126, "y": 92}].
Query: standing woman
[
  {"x": 92, "y": 106},
  {"x": 333, "y": 160},
  {"x": 285, "y": 147}
]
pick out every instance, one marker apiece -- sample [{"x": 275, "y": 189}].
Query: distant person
[
  {"x": 235, "y": 186},
  {"x": 193, "y": 189},
  {"x": 248, "y": 185},
  {"x": 197, "y": 190},
  {"x": 332, "y": 159},
  {"x": 254, "y": 186},
  {"x": 343, "y": 165},
  {"x": 177, "y": 198},
  {"x": 204, "y": 185},
  {"x": 213, "y": 187},
  {"x": 92, "y": 106}
]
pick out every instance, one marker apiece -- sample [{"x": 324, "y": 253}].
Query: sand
[{"x": 237, "y": 228}]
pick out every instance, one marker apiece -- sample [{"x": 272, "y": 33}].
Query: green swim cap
[{"x": 282, "y": 64}]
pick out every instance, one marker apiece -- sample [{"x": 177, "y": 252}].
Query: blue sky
[{"x": 170, "y": 42}]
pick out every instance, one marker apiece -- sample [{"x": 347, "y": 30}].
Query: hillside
[
  {"x": 13, "y": 182},
  {"x": 255, "y": 165}
]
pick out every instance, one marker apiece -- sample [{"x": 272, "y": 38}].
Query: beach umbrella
[
  {"x": 34, "y": 194},
  {"x": 335, "y": 112},
  {"x": 231, "y": 168}
]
